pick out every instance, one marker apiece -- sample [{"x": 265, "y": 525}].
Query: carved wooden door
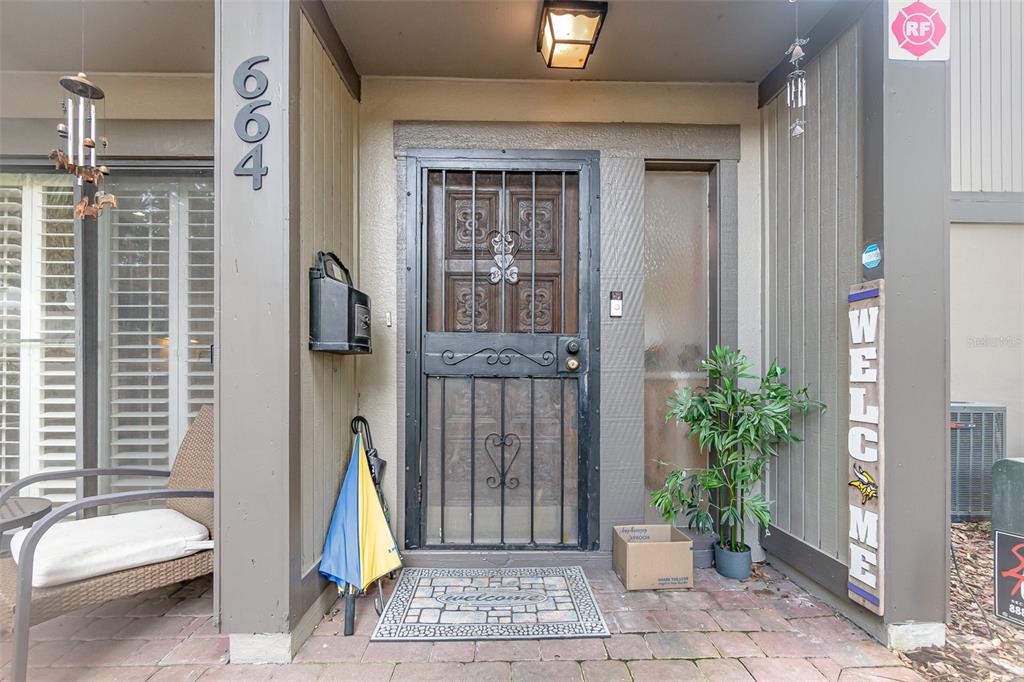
[{"x": 503, "y": 367}]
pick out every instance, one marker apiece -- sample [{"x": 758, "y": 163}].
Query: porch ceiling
[
  {"x": 158, "y": 36},
  {"x": 642, "y": 40}
]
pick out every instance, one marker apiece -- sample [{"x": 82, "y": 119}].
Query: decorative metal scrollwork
[
  {"x": 505, "y": 356},
  {"x": 510, "y": 441},
  {"x": 503, "y": 249}
]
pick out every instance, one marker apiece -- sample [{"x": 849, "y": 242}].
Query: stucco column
[
  {"x": 906, "y": 210},
  {"x": 257, "y": 571}
]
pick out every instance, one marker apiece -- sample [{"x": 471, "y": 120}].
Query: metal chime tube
[
  {"x": 71, "y": 127},
  {"x": 81, "y": 137},
  {"x": 92, "y": 134}
]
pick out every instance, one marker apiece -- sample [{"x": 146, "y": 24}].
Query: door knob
[
  {"x": 573, "y": 347},
  {"x": 572, "y": 364}
]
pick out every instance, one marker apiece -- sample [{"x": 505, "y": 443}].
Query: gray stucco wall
[{"x": 624, "y": 148}]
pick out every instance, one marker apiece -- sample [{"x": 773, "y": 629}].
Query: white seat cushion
[{"x": 75, "y": 550}]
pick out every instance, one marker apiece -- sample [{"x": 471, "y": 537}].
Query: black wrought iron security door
[{"x": 502, "y": 372}]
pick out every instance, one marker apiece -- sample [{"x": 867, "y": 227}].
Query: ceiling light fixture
[{"x": 568, "y": 32}]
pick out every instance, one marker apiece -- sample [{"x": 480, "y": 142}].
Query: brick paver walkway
[{"x": 763, "y": 630}]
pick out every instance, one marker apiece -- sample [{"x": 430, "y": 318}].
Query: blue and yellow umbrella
[{"x": 359, "y": 547}]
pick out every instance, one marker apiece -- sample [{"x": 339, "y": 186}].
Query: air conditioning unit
[{"x": 977, "y": 435}]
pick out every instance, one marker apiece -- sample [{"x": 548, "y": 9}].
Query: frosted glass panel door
[{"x": 676, "y": 301}]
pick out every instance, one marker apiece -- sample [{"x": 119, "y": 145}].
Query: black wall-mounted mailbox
[{"x": 339, "y": 314}]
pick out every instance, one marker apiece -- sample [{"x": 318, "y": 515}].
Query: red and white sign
[{"x": 919, "y": 30}]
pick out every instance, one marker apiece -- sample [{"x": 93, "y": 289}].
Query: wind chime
[
  {"x": 796, "y": 81},
  {"x": 79, "y": 154},
  {"x": 79, "y": 132}
]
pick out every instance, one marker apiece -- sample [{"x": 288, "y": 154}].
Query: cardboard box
[{"x": 652, "y": 557}]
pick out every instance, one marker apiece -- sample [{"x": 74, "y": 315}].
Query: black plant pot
[
  {"x": 703, "y": 552},
  {"x": 732, "y": 564}
]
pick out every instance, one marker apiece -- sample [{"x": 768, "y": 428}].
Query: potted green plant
[{"x": 740, "y": 430}]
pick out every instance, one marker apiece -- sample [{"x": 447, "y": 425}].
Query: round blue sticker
[{"x": 872, "y": 256}]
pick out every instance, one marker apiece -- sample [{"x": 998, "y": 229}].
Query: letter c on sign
[{"x": 855, "y": 443}]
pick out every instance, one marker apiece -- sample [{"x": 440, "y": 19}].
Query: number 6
[
  {"x": 249, "y": 114},
  {"x": 245, "y": 71}
]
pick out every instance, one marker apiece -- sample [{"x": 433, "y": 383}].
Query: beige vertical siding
[
  {"x": 987, "y": 85},
  {"x": 812, "y": 221},
  {"x": 327, "y": 181}
]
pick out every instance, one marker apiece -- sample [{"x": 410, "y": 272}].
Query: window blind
[
  {"x": 159, "y": 320},
  {"x": 52, "y": 428},
  {"x": 37, "y": 330},
  {"x": 10, "y": 331}
]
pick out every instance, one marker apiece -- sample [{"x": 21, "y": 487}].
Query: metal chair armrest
[{"x": 76, "y": 473}]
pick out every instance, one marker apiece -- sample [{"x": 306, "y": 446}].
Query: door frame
[{"x": 586, "y": 163}]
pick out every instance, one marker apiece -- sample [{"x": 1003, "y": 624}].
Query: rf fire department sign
[
  {"x": 866, "y": 444},
  {"x": 919, "y": 30}
]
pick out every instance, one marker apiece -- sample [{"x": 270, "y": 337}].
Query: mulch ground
[{"x": 979, "y": 646}]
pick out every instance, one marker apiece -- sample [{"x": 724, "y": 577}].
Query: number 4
[{"x": 257, "y": 170}]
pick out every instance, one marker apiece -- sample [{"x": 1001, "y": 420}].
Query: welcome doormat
[{"x": 490, "y": 603}]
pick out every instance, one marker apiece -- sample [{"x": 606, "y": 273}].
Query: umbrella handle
[{"x": 360, "y": 421}]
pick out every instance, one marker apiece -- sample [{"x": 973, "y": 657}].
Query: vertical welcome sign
[{"x": 866, "y": 444}]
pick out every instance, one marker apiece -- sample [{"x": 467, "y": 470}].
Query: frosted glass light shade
[{"x": 568, "y": 32}]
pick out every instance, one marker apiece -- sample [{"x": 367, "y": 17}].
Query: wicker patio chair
[{"x": 189, "y": 481}]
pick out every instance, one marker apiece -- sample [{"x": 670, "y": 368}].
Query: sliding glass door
[{"x": 155, "y": 313}]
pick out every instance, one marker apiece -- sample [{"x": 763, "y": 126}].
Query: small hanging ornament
[
  {"x": 78, "y": 130},
  {"x": 78, "y": 157},
  {"x": 796, "y": 82},
  {"x": 796, "y": 51}
]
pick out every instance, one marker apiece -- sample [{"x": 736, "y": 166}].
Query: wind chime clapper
[{"x": 79, "y": 132}]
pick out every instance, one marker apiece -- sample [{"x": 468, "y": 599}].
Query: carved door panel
[{"x": 503, "y": 372}]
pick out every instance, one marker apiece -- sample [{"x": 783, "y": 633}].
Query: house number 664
[{"x": 250, "y": 125}]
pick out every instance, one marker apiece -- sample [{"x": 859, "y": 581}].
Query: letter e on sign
[{"x": 919, "y": 30}]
